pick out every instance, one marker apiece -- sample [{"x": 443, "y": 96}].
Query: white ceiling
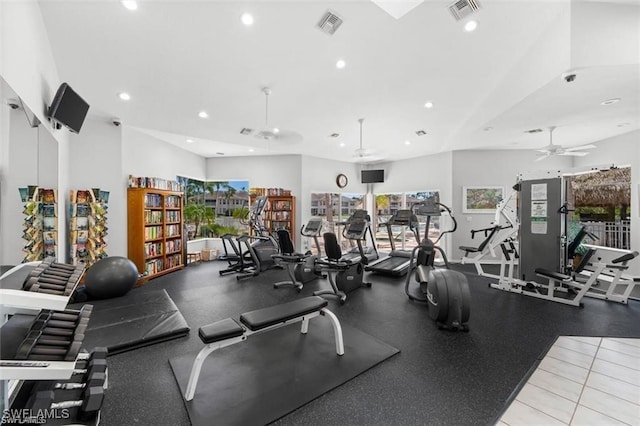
[{"x": 488, "y": 87}]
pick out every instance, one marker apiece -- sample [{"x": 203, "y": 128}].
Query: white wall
[
  {"x": 19, "y": 170},
  {"x": 620, "y": 151},
  {"x": 144, "y": 155},
  {"x": 95, "y": 162},
  {"x": 27, "y": 65},
  {"x": 490, "y": 168},
  {"x": 26, "y": 59}
]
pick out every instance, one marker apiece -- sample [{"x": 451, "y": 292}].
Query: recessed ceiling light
[
  {"x": 124, "y": 96},
  {"x": 610, "y": 101},
  {"x": 341, "y": 144},
  {"x": 276, "y": 130},
  {"x": 428, "y": 104},
  {"x": 407, "y": 142},
  {"x": 470, "y": 26},
  {"x": 251, "y": 149},
  {"x": 247, "y": 19},
  {"x": 203, "y": 114},
  {"x": 189, "y": 140},
  {"x": 130, "y": 4},
  {"x": 341, "y": 64}
]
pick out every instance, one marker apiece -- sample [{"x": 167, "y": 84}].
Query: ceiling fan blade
[
  {"x": 574, "y": 153},
  {"x": 578, "y": 148},
  {"x": 543, "y": 156}
]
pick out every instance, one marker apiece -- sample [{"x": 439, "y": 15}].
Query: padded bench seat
[
  {"x": 220, "y": 330},
  {"x": 263, "y": 318},
  {"x": 228, "y": 331},
  {"x": 552, "y": 274}
]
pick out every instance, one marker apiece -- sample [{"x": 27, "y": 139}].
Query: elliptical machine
[
  {"x": 445, "y": 292},
  {"x": 260, "y": 247}
]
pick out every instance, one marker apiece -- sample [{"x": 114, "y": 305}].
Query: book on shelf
[
  {"x": 49, "y": 250},
  {"x": 49, "y": 210},
  {"x": 155, "y": 183},
  {"x": 48, "y": 195},
  {"x": 50, "y": 237},
  {"x": 78, "y": 223}
]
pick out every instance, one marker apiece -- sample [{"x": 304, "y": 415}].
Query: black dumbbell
[
  {"x": 94, "y": 379},
  {"x": 44, "y": 328},
  {"x": 89, "y": 367},
  {"x": 99, "y": 352},
  {"x": 48, "y": 340},
  {"x": 31, "y": 348},
  {"x": 65, "y": 266},
  {"x": 67, "y": 315},
  {"x": 62, "y": 284},
  {"x": 37, "y": 285},
  {"x": 89, "y": 405},
  {"x": 63, "y": 273}
]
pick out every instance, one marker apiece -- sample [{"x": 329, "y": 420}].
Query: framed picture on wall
[{"x": 481, "y": 199}]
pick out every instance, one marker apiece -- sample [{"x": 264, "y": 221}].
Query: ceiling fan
[
  {"x": 362, "y": 155},
  {"x": 552, "y": 149},
  {"x": 271, "y": 133}
]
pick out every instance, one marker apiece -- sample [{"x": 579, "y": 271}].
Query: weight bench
[
  {"x": 228, "y": 331},
  {"x": 561, "y": 282}
]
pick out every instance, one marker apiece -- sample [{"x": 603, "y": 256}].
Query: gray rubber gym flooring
[{"x": 438, "y": 378}]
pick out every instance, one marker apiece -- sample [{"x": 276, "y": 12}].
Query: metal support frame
[
  {"x": 207, "y": 350},
  {"x": 507, "y": 282}
]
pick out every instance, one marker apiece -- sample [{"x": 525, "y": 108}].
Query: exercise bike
[
  {"x": 345, "y": 274},
  {"x": 301, "y": 268},
  {"x": 309, "y": 270}
]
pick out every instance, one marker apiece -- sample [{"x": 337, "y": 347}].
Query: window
[{"x": 215, "y": 208}]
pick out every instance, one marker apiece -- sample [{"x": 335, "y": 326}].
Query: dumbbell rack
[
  {"x": 40, "y": 339},
  {"x": 39, "y": 285}
]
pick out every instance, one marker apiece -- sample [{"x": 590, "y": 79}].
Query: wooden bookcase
[
  {"x": 280, "y": 213},
  {"x": 155, "y": 224}
]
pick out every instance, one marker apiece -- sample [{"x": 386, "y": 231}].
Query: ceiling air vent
[
  {"x": 420, "y": 132},
  {"x": 246, "y": 131},
  {"x": 533, "y": 131},
  {"x": 463, "y": 8},
  {"x": 329, "y": 22}
]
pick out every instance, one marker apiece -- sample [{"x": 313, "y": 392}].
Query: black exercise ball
[{"x": 110, "y": 277}]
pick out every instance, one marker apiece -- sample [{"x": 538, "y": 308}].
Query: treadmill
[
  {"x": 355, "y": 229},
  {"x": 398, "y": 261}
]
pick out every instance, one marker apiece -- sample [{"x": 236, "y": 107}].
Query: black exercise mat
[
  {"x": 271, "y": 374},
  {"x": 134, "y": 320}
]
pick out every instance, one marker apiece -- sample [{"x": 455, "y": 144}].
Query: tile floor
[{"x": 581, "y": 381}]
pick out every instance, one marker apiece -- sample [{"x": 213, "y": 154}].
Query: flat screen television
[
  {"x": 372, "y": 176},
  {"x": 68, "y": 108}
]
